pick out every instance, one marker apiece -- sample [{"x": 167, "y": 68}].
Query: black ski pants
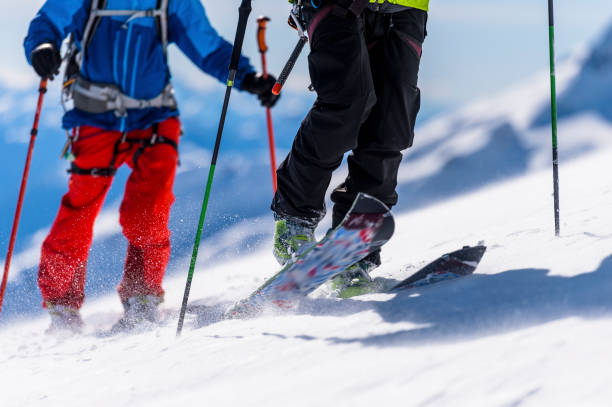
[{"x": 364, "y": 71}]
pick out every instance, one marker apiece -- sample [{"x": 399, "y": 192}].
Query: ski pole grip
[
  {"x": 261, "y": 34},
  {"x": 42, "y": 89},
  {"x": 243, "y": 17},
  {"x": 551, "y": 14},
  {"x": 282, "y": 78}
]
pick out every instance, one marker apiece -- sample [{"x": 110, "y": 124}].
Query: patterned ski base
[
  {"x": 449, "y": 266},
  {"x": 368, "y": 225}
]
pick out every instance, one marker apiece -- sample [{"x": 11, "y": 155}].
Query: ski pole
[
  {"x": 553, "y": 113},
  {"x": 243, "y": 13},
  {"x": 263, "y": 48},
  {"x": 284, "y": 75},
  {"x": 42, "y": 89}
]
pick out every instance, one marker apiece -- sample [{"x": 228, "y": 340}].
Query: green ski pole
[
  {"x": 244, "y": 11},
  {"x": 553, "y": 113}
]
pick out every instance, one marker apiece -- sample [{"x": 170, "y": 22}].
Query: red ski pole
[
  {"x": 7, "y": 263},
  {"x": 263, "y": 48}
]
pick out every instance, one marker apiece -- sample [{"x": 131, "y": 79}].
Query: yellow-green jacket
[{"x": 420, "y": 4}]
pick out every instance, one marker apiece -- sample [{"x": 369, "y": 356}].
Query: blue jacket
[{"x": 132, "y": 57}]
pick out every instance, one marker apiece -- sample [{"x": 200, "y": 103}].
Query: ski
[{"x": 449, "y": 266}]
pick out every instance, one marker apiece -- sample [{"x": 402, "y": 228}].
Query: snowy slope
[{"x": 531, "y": 328}]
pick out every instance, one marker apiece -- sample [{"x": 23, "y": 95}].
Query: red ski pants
[{"x": 144, "y": 213}]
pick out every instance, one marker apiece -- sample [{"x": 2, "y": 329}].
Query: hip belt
[{"x": 97, "y": 98}]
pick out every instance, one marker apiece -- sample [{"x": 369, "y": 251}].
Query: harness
[
  {"x": 307, "y": 14},
  {"x": 97, "y": 98},
  {"x": 111, "y": 170},
  {"x": 341, "y": 7}
]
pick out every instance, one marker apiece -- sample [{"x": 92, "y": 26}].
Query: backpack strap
[
  {"x": 162, "y": 18},
  {"x": 93, "y": 20}
]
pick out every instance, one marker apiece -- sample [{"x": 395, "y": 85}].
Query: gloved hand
[
  {"x": 262, "y": 87},
  {"x": 46, "y": 60}
]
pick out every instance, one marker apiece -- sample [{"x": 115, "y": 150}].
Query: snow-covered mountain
[
  {"x": 590, "y": 89},
  {"x": 506, "y": 135},
  {"x": 509, "y": 134}
]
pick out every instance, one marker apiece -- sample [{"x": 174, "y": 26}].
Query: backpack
[{"x": 76, "y": 56}]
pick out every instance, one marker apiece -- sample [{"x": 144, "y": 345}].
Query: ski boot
[
  {"x": 290, "y": 239},
  {"x": 64, "y": 319},
  {"x": 356, "y": 280},
  {"x": 140, "y": 312}
]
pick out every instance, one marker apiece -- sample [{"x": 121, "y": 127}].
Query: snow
[{"x": 531, "y": 328}]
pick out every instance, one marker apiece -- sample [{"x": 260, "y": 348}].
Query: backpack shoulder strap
[
  {"x": 93, "y": 20},
  {"x": 162, "y": 19}
]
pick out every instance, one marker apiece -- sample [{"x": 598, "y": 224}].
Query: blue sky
[
  {"x": 480, "y": 45},
  {"x": 474, "y": 46}
]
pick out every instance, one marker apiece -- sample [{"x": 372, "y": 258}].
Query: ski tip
[
  {"x": 451, "y": 265},
  {"x": 365, "y": 203},
  {"x": 470, "y": 253}
]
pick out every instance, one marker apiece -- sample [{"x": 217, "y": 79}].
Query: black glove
[
  {"x": 46, "y": 60},
  {"x": 262, "y": 87}
]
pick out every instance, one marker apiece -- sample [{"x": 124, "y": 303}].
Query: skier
[
  {"x": 364, "y": 64},
  {"x": 124, "y": 112}
]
